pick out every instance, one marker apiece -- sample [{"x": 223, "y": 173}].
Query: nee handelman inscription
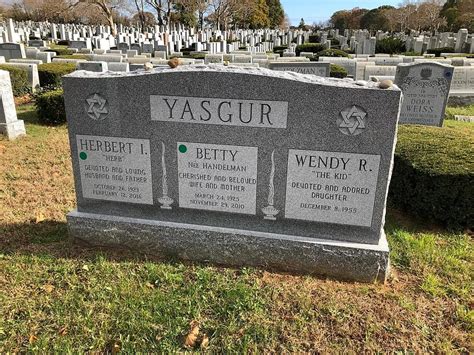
[{"x": 217, "y": 177}]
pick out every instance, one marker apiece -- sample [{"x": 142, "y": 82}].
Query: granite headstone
[
  {"x": 425, "y": 88},
  {"x": 10, "y": 125},
  {"x": 314, "y": 68},
  {"x": 234, "y": 166}
]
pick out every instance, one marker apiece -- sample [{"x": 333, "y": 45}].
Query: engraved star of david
[
  {"x": 353, "y": 121},
  {"x": 96, "y": 107}
]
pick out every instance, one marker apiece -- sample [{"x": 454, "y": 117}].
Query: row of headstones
[
  {"x": 425, "y": 87},
  {"x": 83, "y": 36},
  {"x": 362, "y": 67},
  {"x": 174, "y": 38}
]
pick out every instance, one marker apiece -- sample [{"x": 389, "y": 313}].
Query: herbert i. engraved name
[
  {"x": 115, "y": 169},
  {"x": 230, "y": 112}
]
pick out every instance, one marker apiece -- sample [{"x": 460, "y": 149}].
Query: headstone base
[
  {"x": 13, "y": 130},
  {"x": 234, "y": 247}
]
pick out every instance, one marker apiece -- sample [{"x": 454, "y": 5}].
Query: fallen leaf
[
  {"x": 85, "y": 267},
  {"x": 149, "y": 285},
  {"x": 48, "y": 288},
  {"x": 116, "y": 348},
  {"x": 62, "y": 330},
  {"x": 204, "y": 341},
  {"x": 39, "y": 217},
  {"x": 190, "y": 340},
  {"x": 32, "y": 338}
]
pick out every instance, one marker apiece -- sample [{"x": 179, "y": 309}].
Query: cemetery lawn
[
  {"x": 57, "y": 296},
  {"x": 459, "y": 110}
]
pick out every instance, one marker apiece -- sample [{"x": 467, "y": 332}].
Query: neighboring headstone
[
  {"x": 45, "y": 57},
  {"x": 93, "y": 66},
  {"x": 349, "y": 64},
  {"x": 10, "y": 125},
  {"x": 36, "y": 43},
  {"x": 314, "y": 68},
  {"x": 160, "y": 54},
  {"x": 234, "y": 166},
  {"x": 124, "y": 67},
  {"x": 463, "y": 81},
  {"x": 425, "y": 89},
  {"x": 12, "y": 50},
  {"x": 33, "y": 75},
  {"x": 80, "y": 44},
  {"x": 213, "y": 58},
  {"x": 107, "y": 58},
  {"x": 67, "y": 60},
  {"x": 463, "y": 118},
  {"x": 379, "y": 70}
]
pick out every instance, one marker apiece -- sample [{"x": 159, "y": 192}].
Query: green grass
[
  {"x": 56, "y": 296},
  {"x": 451, "y": 111}
]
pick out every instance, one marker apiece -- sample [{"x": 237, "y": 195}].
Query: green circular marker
[
  {"x": 182, "y": 148},
  {"x": 83, "y": 155}
]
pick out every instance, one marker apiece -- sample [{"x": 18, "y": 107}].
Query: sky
[{"x": 321, "y": 10}]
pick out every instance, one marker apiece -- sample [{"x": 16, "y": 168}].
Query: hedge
[
  {"x": 75, "y": 56},
  {"x": 279, "y": 49},
  {"x": 332, "y": 53},
  {"x": 50, "y": 74},
  {"x": 50, "y": 107},
  {"x": 314, "y": 39},
  {"x": 433, "y": 174},
  {"x": 437, "y": 52},
  {"x": 61, "y": 51},
  {"x": 18, "y": 78},
  {"x": 309, "y": 47},
  {"x": 337, "y": 71},
  {"x": 390, "y": 45}
]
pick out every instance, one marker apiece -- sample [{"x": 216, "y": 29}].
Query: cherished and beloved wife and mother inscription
[{"x": 234, "y": 166}]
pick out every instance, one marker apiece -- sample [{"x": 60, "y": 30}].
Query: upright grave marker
[
  {"x": 314, "y": 68},
  {"x": 234, "y": 166},
  {"x": 10, "y": 125},
  {"x": 425, "y": 89}
]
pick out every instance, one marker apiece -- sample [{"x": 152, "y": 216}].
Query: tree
[
  {"x": 428, "y": 14},
  {"x": 344, "y": 19},
  {"x": 276, "y": 15},
  {"x": 340, "y": 20},
  {"x": 376, "y": 19},
  {"x": 146, "y": 19},
  {"x": 222, "y": 11},
  {"x": 466, "y": 14},
  {"x": 302, "y": 24},
  {"x": 185, "y": 15},
  {"x": 163, "y": 10},
  {"x": 107, "y": 9},
  {"x": 259, "y": 17},
  {"x": 140, "y": 6},
  {"x": 195, "y": 6}
]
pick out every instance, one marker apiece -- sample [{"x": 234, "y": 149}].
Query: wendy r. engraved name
[{"x": 214, "y": 111}]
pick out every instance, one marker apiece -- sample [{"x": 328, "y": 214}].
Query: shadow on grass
[
  {"x": 51, "y": 238},
  {"x": 396, "y": 220},
  {"x": 28, "y": 114}
]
